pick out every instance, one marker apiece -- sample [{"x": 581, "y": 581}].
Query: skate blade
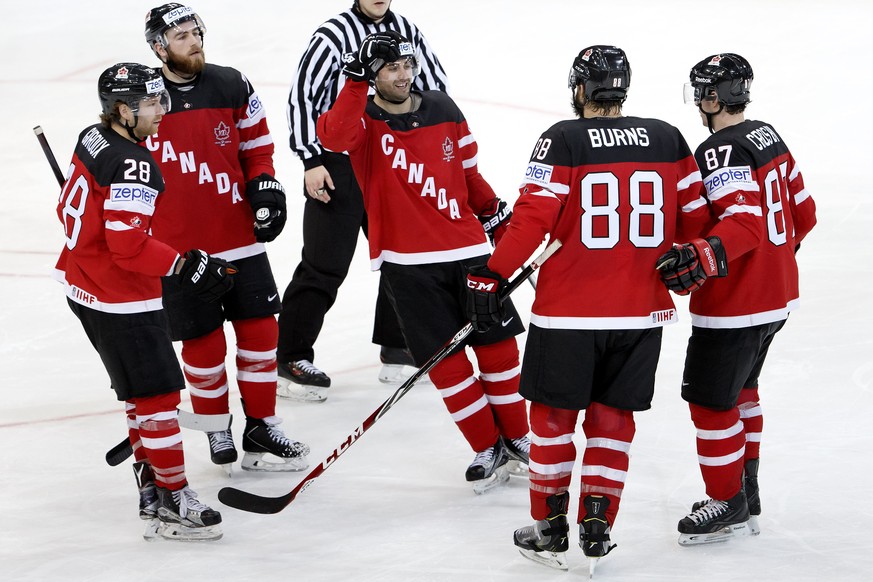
[
  {"x": 153, "y": 530},
  {"x": 592, "y": 565},
  {"x": 500, "y": 476},
  {"x": 556, "y": 560},
  {"x": 179, "y": 533},
  {"x": 257, "y": 463},
  {"x": 300, "y": 393},
  {"x": 517, "y": 469},
  {"x": 227, "y": 468},
  {"x": 747, "y": 528},
  {"x": 396, "y": 374}
]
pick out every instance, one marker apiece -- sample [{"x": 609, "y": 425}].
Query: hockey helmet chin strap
[{"x": 709, "y": 115}]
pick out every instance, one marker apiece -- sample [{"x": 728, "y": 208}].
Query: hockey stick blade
[
  {"x": 202, "y": 422},
  {"x": 251, "y": 502},
  {"x": 49, "y": 154}
]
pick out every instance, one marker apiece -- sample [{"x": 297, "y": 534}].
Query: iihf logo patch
[
  {"x": 222, "y": 134},
  {"x": 448, "y": 150},
  {"x": 587, "y": 55},
  {"x": 715, "y": 60},
  {"x": 121, "y": 73}
]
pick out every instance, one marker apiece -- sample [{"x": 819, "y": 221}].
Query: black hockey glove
[
  {"x": 684, "y": 268},
  {"x": 495, "y": 220},
  {"x": 376, "y": 50},
  {"x": 206, "y": 277},
  {"x": 484, "y": 307},
  {"x": 267, "y": 198}
]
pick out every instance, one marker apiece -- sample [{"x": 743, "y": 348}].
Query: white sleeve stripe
[
  {"x": 685, "y": 182},
  {"x": 466, "y": 140},
  {"x": 129, "y": 206},
  {"x": 256, "y": 143},
  {"x": 801, "y": 196},
  {"x": 470, "y": 162},
  {"x": 692, "y": 206},
  {"x": 117, "y": 226},
  {"x": 735, "y": 209}
]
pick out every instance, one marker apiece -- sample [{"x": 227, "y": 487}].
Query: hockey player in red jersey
[
  {"x": 111, "y": 268},
  {"x": 756, "y": 191},
  {"x": 216, "y": 155},
  {"x": 617, "y": 191},
  {"x": 415, "y": 159}
]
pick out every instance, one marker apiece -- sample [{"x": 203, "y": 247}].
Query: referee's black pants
[{"x": 330, "y": 234}]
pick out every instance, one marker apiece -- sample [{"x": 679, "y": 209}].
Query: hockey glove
[
  {"x": 267, "y": 198},
  {"x": 206, "y": 277},
  {"x": 484, "y": 307},
  {"x": 684, "y": 268},
  {"x": 376, "y": 50},
  {"x": 495, "y": 220}
]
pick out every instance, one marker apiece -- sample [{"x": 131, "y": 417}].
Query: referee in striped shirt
[{"x": 334, "y": 209}]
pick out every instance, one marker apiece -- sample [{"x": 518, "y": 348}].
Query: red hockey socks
[
  {"x": 552, "y": 454},
  {"x": 609, "y": 433},
  {"x": 753, "y": 421},
  {"x": 721, "y": 445},
  {"x": 203, "y": 364},
  {"x": 465, "y": 399},
  {"x": 161, "y": 438},
  {"x": 499, "y": 373},
  {"x": 139, "y": 453},
  {"x": 256, "y": 364}
]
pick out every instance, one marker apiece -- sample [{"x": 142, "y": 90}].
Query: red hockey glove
[
  {"x": 267, "y": 198},
  {"x": 206, "y": 277},
  {"x": 495, "y": 220},
  {"x": 684, "y": 268},
  {"x": 484, "y": 307}
]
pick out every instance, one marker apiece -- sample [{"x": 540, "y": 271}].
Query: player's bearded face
[{"x": 185, "y": 52}]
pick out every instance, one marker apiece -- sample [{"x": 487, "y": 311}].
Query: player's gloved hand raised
[
  {"x": 376, "y": 50},
  {"x": 495, "y": 220},
  {"x": 267, "y": 198},
  {"x": 684, "y": 268},
  {"x": 484, "y": 306},
  {"x": 204, "y": 276}
]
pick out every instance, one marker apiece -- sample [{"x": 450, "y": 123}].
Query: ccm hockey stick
[
  {"x": 251, "y": 502},
  {"x": 49, "y": 155},
  {"x": 203, "y": 422}
]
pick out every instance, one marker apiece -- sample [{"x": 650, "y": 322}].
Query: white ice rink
[{"x": 396, "y": 506}]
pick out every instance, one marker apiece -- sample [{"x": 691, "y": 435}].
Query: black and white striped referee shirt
[{"x": 319, "y": 78}]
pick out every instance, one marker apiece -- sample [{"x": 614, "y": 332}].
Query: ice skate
[
  {"x": 594, "y": 531},
  {"x": 545, "y": 542},
  {"x": 221, "y": 449},
  {"x": 518, "y": 451},
  {"x": 717, "y": 521},
  {"x": 148, "y": 498},
  {"x": 397, "y": 366},
  {"x": 302, "y": 381},
  {"x": 488, "y": 468},
  {"x": 184, "y": 518},
  {"x": 263, "y": 437}
]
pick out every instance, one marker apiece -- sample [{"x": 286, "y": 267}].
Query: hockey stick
[
  {"x": 49, "y": 155},
  {"x": 251, "y": 502},
  {"x": 203, "y": 422}
]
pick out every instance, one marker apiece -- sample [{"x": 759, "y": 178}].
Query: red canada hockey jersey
[
  {"x": 213, "y": 140},
  {"x": 764, "y": 211},
  {"x": 617, "y": 192},
  {"x": 418, "y": 173},
  {"x": 110, "y": 262}
]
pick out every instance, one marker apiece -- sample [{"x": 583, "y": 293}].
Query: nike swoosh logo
[
  {"x": 271, "y": 297},
  {"x": 505, "y": 323}
]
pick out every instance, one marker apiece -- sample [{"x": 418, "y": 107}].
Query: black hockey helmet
[
  {"x": 603, "y": 70},
  {"x": 727, "y": 74},
  {"x": 130, "y": 83},
  {"x": 161, "y": 19}
]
